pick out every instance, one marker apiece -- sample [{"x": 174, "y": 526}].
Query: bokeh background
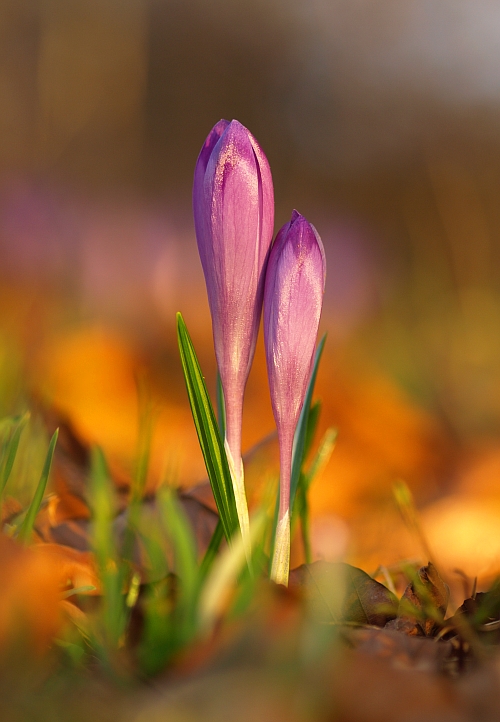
[{"x": 381, "y": 122}]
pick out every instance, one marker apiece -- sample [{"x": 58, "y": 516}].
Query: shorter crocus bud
[
  {"x": 293, "y": 297},
  {"x": 233, "y": 206}
]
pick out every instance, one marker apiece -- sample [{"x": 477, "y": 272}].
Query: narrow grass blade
[
  {"x": 301, "y": 430},
  {"x": 303, "y": 510},
  {"x": 9, "y": 453},
  {"x": 180, "y": 625},
  {"x": 408, "y": 510},
  {"x": 207, "y": 429},
  {"x": 180, "y": 534},
  {"x": 79, "y": 590},
  {"x": 221, "y": 408},
  {"x": 322, "y": 456},
  {"x": 144, "y": 440},
  {"x": 113, "y": 615},
  {"x": 320, "y": 460},
  {"x": 312, "y": 425},
  {"x": 102, "y": 506},
  {"x": 139, "y": 481},
  {"x": 212, "y": 550},
  {"x": 29, "y": 520},
  {"x": 224, "y": 574}
]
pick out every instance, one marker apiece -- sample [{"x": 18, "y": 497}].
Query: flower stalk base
[
  {"x": 240, "y": 499},
  {"x": 280, "y": 568}
]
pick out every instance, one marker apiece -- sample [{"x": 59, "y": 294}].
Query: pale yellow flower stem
[
  {"x": 280, "y": 567},
  {"x": 241, "y": 500}
]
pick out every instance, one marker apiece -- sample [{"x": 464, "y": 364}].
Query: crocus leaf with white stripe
[
  {"x": 299, "y": 442},
  {"x": 208, "y": 432}
]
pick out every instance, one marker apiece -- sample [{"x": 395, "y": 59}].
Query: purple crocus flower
[
  {"x": 295, "y": 282},
  {"x": 233, "y": 204}
]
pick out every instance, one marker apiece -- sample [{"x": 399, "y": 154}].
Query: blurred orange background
[{"x": 381, "y": 124}]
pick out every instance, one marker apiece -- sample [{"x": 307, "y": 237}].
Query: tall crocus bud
[
  {"x": 295, "y": 282},
  {"x": 234, "y": 216}
]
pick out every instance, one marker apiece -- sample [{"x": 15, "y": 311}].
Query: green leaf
[
  {"x": 301, "y": 510},
  {"x": 339, "y": 593},
  {"x": 29, "y": 520},
  {"x": 112, "y": 617},
  {"x": 299, "y": 443},
  {"x": 322, "y": 456},
  {"x": 170, "y": 619},
  {"x": 9, "y": 452},
  {"x": 312, "y": 425},
  {"x": 224, "y": 573},
  {"x": 144, "y": 439},
  {"x": 221, "y": 409},
  {"x": 79, "y": 590},
  {"x": 212, "y": 550},
  {"x": 207, "y": 429},
  {"x": 183, "y": 543}
]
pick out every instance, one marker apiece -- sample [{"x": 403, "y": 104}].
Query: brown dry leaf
[
  {"x": 65, "y": 519},
  {"x": 368, "y": 688},
  {"x": 202, "y": 493},
  {"x": 339, "y": 592},
  {"x": 203, "y": 521},
  {"x": 476, "y": 612},
  {"x": 10, "y": 509},
  {"x": 402, "y": 650},
  {"x": 71, "y": 533},
  {"x": 29, "y": 602},
  {"x": 91, "y": 373},
  {"x": 423, "y": 603},
  {"x": 71, "y": 469},
  {"x": 71, "y": 568}
]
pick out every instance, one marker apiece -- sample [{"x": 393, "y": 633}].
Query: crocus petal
[
  {"x": 199, "y": 177},
  {"x": 240, "y": 230},
  {"x": 293, "y": 297},
  {"x": 292, "y": 308}
]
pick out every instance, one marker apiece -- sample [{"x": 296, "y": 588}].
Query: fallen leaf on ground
[
  {"x": 339, "y": 592},
  {"x": 423, "y": 604}
]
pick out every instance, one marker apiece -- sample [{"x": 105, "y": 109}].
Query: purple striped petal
[
  {"x": 199, "y": 177},
  {"x": 292, "y": 307}
]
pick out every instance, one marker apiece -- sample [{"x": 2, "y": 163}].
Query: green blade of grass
[
  {"x": 312, "y": 425},
  {"x": 170, "y": 603},
  {"x": 26, "y": 529},
  {"x": 408, "y": 510},
  {"x": 9, "y": 453},
  {"x": 113, "y": 613},
  {"x": 180, "y": 535},
  {"x": 144, "y": 439},
  {"x": 322, "y": 456},
  {"x": 299, "y": 443},
  {"x": 207, "y": 429},
  {"x": 224, "y": 573},
  {"x": 304, "y": 521},
  {"x": 212, "y": 550},
  {"x": 301, "y": 511},
  {"x": 221, "y": 409},
  {"x": 79, "y": 590}
]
